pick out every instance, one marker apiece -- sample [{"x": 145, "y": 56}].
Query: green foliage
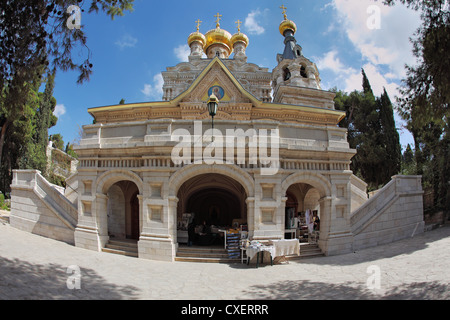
[
  {"x": 426, "y": 97},
  {"x": 69, "y": 150},
  {"x": 58, "y": 141},
  {"x": 3, "y": 204},
  {"x": 371, "y": 131},
  {"x": 408, "y": 165},
  {"x": 35, "y": 42}
]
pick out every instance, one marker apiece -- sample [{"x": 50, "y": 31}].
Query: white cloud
[
  {"x": 253, "y": 26},
  {"x": 60, "y": 110},
  {"x": 154, "y": 90},
  {"x": 381, "y": 35},
  {"x": 377, "y": 82},
  {"x": 126, "y": 41},
  {"x": 182, "y": 52},
  {"x": 379, "y": 32},
  {"x": 331, "y": 62}
]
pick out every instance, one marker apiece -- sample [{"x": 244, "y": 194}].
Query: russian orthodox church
[{"x": 145, "y": 167}]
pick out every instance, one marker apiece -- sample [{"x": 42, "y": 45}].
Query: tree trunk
[{"x": 2, "y": 138}]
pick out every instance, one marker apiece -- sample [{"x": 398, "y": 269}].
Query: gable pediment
[
  {"x": 217, "y": 75},
  {"x": 235, "y": 103},
  {"x": 216, "y": 81}
]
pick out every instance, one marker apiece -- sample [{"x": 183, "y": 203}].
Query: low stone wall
[
  {"x": 37, "y": 211},
  {"x": 395, "y": 212}
]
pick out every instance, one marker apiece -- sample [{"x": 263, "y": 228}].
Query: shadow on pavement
[
  {"x": 400, "y": 247},
  {"x": 309, "y": 290},
  {"x": 20, "y": 280}
]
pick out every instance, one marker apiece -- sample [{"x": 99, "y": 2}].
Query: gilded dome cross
[
  {"x": 218, "y": 20},
  {"x": 284, "y": 11},
  {"x": 198, "y": 22},
  {"x": 239, "y": 22}
]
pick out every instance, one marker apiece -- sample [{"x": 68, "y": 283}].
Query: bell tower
[{"x": 295, "y": 77}]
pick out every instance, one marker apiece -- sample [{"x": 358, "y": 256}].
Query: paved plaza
[{"x": 33, "y": 267}]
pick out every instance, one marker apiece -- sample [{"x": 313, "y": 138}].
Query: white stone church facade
[{"x": 130, "y": 184}]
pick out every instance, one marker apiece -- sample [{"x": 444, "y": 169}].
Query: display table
[
  {"x": 283, "y": 248},
  {"x": 280, "y": 248},
  {"x": 259, "y": 252}
]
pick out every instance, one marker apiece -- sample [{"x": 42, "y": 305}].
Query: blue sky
[{"x": 130, "y": 52}]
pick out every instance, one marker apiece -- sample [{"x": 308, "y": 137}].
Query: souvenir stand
[
  {"x": 182, "y": 227},
  {"x": 235, "y": 242}
]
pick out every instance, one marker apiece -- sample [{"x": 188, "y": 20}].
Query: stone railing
[
  {"x": 28, "y": 188},
  {"x": 395, "y": 212},
  {"x": 372, "y": 207},
  {"x": 166, "y": 162},
  {"x": 54, "y": 195}
]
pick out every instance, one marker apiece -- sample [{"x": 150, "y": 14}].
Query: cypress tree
[
  {"x": 372, "y": 132},
  {"x": 390, "y": 139}
]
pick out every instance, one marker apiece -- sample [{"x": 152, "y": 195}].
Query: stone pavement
[{"x": 33, "y": 267}]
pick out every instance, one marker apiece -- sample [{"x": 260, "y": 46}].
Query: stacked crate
[{"x": 233, "y": 248}]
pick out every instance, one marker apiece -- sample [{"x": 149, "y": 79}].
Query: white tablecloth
[
  {"x": 252, "y": 251},
  {"x": 286, "y": 247}
]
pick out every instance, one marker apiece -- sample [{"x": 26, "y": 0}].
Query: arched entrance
[
  {"x": 309, "y": 193},
  {"x": 214, "y": 199},
  {"x": 302, "y": 209},
  {"x": 123, "y": 211}
]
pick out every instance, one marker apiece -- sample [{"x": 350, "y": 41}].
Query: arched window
[
  {"x": 286, "y": 74},
  {"x": 303, "y": 72}
]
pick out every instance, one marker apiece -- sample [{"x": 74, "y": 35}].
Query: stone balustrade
[{"x": 395, "y": 212}]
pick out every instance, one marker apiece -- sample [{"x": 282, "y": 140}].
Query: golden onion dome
[
  {"x": 197, "y": 36},
  {"x": 239, "y": 36},
  {"x": 218, "y": 36},
  {"x": 287, "y": 24}
]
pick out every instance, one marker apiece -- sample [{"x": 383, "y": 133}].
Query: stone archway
[
  {"x": 215, "y": 198},
  {"x": 316, "y": 180},
  {"x": 232, "y": 171},
  {"x": 313, "y": 192},
  {"x": 126, "y": 187},
  {"x": 123, "y": 211},
  {"x": 239, "y": 184}
]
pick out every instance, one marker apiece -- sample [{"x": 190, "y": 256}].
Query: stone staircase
[
  {"x": 124, "y": 247},
  {"x": 220, "y": 255},
  {"x": 210, "y": 254},
  {"x": 307, "y": 250}
]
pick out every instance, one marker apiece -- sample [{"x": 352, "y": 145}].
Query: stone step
[
  {"x": 124, "y": 247},
  {"x": 220, "y": 255},
  {"x": 121, "y": 247},
  {"x": 124, "y": 243},
  {"x": 307, "y": 250},
  {"x": 206, "y": 260},
  {"x": 122, "y": 252},
  {"x": 204, "y": 254}
]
